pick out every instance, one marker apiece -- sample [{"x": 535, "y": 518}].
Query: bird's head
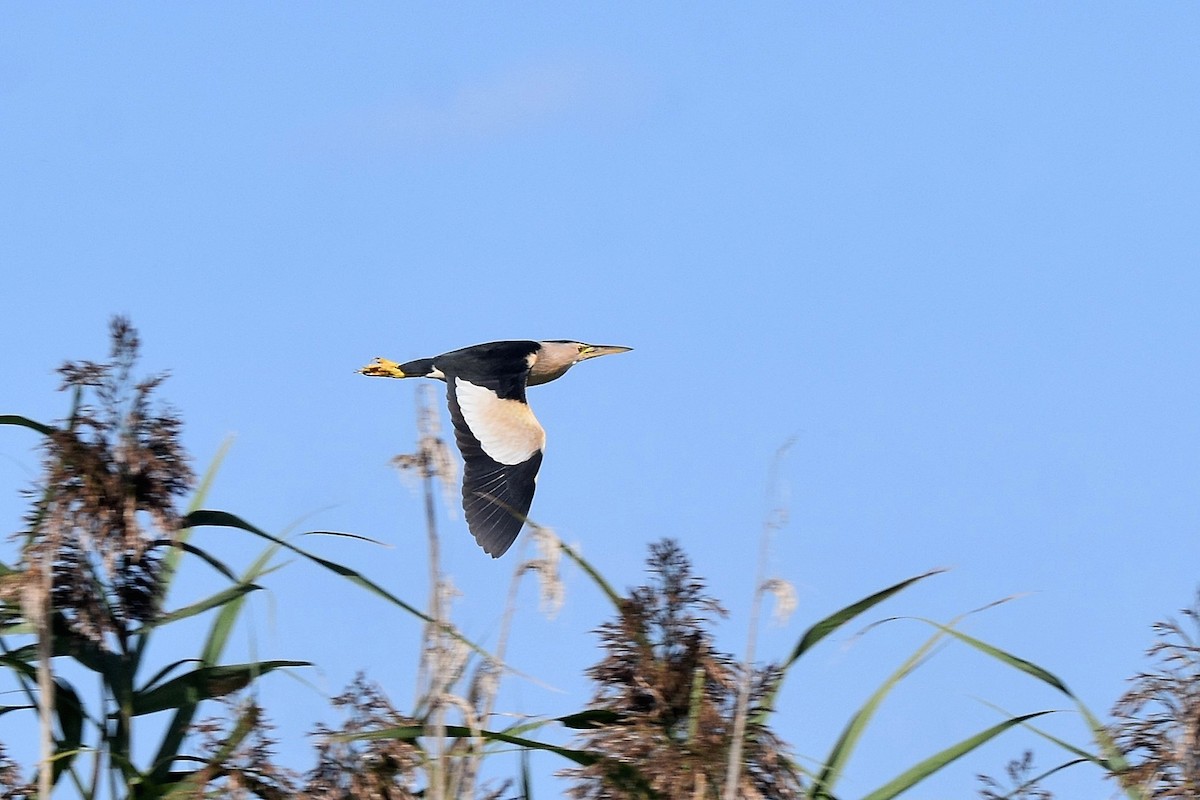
[{"x": 556, "y": 356}]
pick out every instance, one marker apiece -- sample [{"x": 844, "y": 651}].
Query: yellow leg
[{"x": 383, "y": 368}]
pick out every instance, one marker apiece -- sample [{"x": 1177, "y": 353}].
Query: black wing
[{"x": 501, "y": 455}]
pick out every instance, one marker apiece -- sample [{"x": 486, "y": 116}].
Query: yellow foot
[{"x": 382, "y": 368}]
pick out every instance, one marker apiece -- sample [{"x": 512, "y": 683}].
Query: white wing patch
[{"x": 506, "y": 429}]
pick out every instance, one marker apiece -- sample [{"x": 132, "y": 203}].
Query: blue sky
[{"x": 950, "y": 248}]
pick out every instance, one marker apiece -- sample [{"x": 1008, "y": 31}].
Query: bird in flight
[{"x": 500, "y": 440}]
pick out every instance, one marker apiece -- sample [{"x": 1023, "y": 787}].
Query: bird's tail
[{"x": 384, "y": 368}]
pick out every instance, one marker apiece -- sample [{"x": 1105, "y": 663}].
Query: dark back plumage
[{"x": 500, "y": 366}]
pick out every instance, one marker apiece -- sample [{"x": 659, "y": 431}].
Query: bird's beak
[{"x": 593, "y": 350}]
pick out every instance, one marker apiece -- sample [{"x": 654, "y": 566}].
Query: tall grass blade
[
  {"x": 839, "y": 618},
  {"x": 171, "y": 561},
  {"x": 358, "y": 537},
  {"x": 210, "y": 475},
  {"x": 199, "y": 553},
  {"x": 165, "y": 671},
  {"x": 213, "y": 601},
  {"x": 1075, "y": 750},
  {"x": 594, "y": 574},
  {"x": 1021, "y": 791},
  {"x": 204, "y": 683},
  {"x": 828, "y": 625},
  {"x": 1016, "y": 662},
  {"x": 412, "y": 732},
  {"x": 223, "y": 519},
  {"x": 71, "y": 644},
  {"x": 210, "y": 654},
  {"x": 179, "y": 544},
  {"x": 1112, "y": 758},
  {"x": 844, "y": 747},
  {"x": 26, "y": 422},
  {"x": 580, "y": 721},
  {"x": 5, "y": 709},
  {"x": 526, "y": 778},
  {"x": 626, "y": 776},
  {"x": 70, "y": 722},
  {"x": 591, "y": 719},
  {"x": 923, "y": 769}
]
